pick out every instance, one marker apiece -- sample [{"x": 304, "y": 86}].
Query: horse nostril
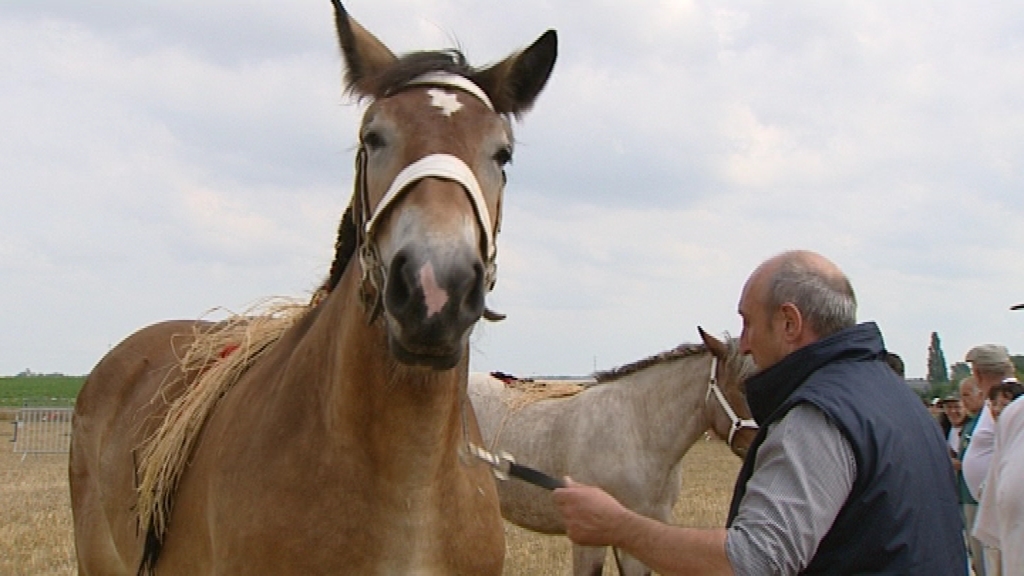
[
  {"x": 400, "y": 282},
  {"x": 473, "y": 302}
]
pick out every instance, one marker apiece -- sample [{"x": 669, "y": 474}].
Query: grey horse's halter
[
  {"x": 443, "y": 166},
  {"x": 737, "y": 423}
]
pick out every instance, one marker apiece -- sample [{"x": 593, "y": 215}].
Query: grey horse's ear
[{"x": 715, "y": 346}]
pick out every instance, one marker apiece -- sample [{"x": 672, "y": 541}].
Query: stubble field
[{"x": 36, "y": 530}]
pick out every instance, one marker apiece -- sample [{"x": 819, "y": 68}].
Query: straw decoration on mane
[
  {"x": 220, "y": 356},
  {"x": 533, "y": 391}
]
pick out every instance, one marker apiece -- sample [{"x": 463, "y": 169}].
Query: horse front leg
[
  {"x": 628, "y": 565},
  {"x": 587, "y": 560}
]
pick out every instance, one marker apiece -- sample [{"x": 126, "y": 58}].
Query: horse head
[
  {"x": 731, "y": 417},
  {"x": 426, "y": 210}
]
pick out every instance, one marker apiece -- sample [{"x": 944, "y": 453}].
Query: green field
[{"x": 39, "y": 390}]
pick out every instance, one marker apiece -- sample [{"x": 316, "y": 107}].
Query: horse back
[{"x": 120, "y": 404}]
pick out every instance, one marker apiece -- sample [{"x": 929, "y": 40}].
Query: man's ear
[{"x": 793, "y": 322}]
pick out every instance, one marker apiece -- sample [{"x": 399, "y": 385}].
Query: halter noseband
[
  {"x": 737, "y": 423},
  {"x": 443, "y": 166}
]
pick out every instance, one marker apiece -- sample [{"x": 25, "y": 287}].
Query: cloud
[{"x": 159, "y": 160}]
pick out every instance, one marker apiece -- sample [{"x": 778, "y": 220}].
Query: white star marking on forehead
[{"x": 446, "y": 101}]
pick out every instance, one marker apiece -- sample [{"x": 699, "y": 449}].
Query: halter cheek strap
[{"x": 737, "y": 423}]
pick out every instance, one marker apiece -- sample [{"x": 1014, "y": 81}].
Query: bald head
[
  {"x": 790, "y": 301},
  {"x": 813, "y": 284},
  {"x": 971, "y": 396}
]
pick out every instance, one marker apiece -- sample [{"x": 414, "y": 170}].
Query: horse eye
[
  {"x": 503, "y": 156},
  {"x": 373, "y": 140}
]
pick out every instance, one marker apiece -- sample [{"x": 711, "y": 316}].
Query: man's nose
[{"x": 744, "y": 346}]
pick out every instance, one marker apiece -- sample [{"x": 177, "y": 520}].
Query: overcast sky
[{"x": 162, "y": 159}]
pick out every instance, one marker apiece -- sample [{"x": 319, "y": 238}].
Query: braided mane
[{"x": 344, "y": 248}]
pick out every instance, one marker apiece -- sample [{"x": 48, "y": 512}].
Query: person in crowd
[
  {"x": 954, "y": 411},
  {"x": 990, "y": 365},
  {"x": 973, "y": 402},
  {"x": 845, "y": 453},
  {"x": 1000, "y": 522},
  {"x": 937, "y": 412},
  {"x": 896, "y": 363},
  {"x": 1000, "y": 396}
]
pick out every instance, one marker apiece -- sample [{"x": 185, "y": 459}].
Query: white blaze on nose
[
  {"x": 446, "y": 101},
  {"x": 434, "y": 296}
]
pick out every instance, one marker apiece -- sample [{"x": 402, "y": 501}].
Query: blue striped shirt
[{"x": 803, "y": 472}]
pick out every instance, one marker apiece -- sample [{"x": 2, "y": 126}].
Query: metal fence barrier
[{"x": 42, "y": 430}]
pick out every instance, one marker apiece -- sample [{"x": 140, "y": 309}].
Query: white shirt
[
  {"x": 953, "y": 440},
  {"x": 979, "y": 452},
  {"x": 1000, "y": 520}
]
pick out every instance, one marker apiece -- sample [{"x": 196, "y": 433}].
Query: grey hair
[
  {"x": 1002, "y": 370},
  {"x": 972, "y": 381},
  {"x": 826, "y": 301}
]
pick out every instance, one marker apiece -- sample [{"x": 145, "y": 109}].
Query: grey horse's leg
[
  {"x": 587, "y": 560},
  {"x": 630, "y": 566}
]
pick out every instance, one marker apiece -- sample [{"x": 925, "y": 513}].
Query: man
[
  {"x": 954, "y": 411},
  {"x": 990, "y": 365},
  {"x": 1001, "y": 515},
  {"x": 973, "y": 402},
  {"x": 1001, "y": 395},
  {"x": 848, "y": 473},
  {"x": 896, "y": 363}
]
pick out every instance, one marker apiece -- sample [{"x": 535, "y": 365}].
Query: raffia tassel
[{"x": 220, "y": 356}]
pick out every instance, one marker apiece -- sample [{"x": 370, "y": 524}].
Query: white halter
[
  {"x": 451, "y": 81},
  {"x": 737, "y": 423}
]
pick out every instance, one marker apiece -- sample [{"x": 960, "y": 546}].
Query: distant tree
[
  {"x": 937, "y": 373},
  {"x": 959, "y": 371},
  {"x": 942, "y": 390}
]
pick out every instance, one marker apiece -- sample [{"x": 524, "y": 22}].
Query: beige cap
[{"x": 989, "y": 356}]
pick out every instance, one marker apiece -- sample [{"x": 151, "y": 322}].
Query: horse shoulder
[{"x": 119, "y": 406}]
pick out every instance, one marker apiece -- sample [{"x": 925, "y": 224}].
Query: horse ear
[
  {"x": 365, "y": 55},
  {"x": 515, "y": 82},
  {"x": 715, "y": 346}
]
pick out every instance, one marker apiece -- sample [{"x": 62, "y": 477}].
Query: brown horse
[{"x": 339, "y": 447}]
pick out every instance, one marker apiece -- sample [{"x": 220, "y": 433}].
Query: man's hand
[{"x": 592, "y": 516}]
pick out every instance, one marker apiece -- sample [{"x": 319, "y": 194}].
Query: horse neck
[
  {"x": 397, "y": 415},
  {"x": 671, "y": 395}
]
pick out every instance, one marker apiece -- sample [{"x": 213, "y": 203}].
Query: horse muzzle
[{"x": 432, "y": 299}]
